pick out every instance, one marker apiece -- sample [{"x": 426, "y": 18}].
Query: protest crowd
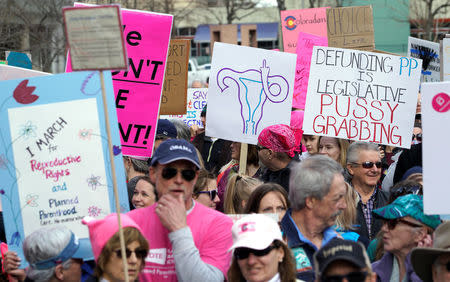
[{"x": 288, "y": 206}]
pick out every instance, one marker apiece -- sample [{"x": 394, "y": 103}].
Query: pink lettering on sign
[
  {"x": 138, "y": 90},
  {"x": 305, "y": 45},
  {"x": 441, "y": 102}
]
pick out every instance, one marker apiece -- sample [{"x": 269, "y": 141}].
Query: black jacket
[{"x": 381, "y": 199}]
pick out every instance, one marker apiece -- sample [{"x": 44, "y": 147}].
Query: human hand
[
  {"x": 171, "y": 212},
  {"x": 11, "y": 265}
]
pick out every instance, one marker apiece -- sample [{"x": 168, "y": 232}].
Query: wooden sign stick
[{"x": 243, "y": 158}]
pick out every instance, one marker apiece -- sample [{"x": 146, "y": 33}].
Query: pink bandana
[{"x": 278, "y": 138}]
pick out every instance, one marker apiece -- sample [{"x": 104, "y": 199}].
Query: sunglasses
[
  {"x": 243, "y": 253},
  {"x": 400, "y": 191},
  {"x": 170, "y": 172},
  {"x": 140, "y": 253},
  {"x": 392, "y": 223},
  {"x": 417, "y": 136},
  {"x": 357, "y": 276},
  {"x": 212, "y": 194},
  {"x": 369, "y": 164}
]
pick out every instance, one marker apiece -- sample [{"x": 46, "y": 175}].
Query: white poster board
[
  {"x": 436, "y": 130},
  {"x": 196, "y": 100},
  {"x": 428, "y": 52},
  {"x": 249, "y": 89},
  {"x": 362, "y": 96},
  {"x": 10, "y": 72}
]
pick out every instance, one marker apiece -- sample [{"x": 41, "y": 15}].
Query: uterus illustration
[{"x": 254, "y": 88}]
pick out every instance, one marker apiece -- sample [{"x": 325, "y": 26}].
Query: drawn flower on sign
[
  {"x": 85, "y": 134},
  {"x": 15, "y": 239},
  {"x": 94, "y": 211},
  {"x": 31, "y": 200},
  {"x": 2, "y": 192},
  {"x": 3, "y": 162},
  {"x": 93, "y": 182},
  {"x": 116, "y": 150},
  {"x": 28, "y": 130}
]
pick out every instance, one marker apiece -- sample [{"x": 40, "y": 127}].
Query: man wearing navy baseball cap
[{"x": 188, "y": 241}]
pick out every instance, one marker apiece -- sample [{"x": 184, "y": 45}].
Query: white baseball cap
[{"x": 255, "y": 231}]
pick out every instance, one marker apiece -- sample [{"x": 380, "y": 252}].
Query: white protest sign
[
  {"x": 196, "y": 100},
  {"x": 435, "y": 126},
  {"x": 249, "y": 89},
  {"x": 95, "y": 37},
  {"x": 428, "y": 52},
  {"x": 10, "y": 72},
  {"x": 362, "y": 96}
]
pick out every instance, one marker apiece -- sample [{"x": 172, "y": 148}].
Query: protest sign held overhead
[
  {"x": 196, "y": 100},
  {"x": 312, "y": 21},
  {"x": 173, "y": 100},
  {"x": 305, "y": 45},
  {"x": 362, "y": 96},
  {"x": 249, "y": 90},
  {"x": 435, "y": 121},
  {"x": 428, "y": 52},
  {"x": 54, "y": 161},
  {"x": 138, "y": 90},
  {"x": 351, "y": 27},
  {"x": 10, "y": 72},
  {"x": 95, "y": 37}
]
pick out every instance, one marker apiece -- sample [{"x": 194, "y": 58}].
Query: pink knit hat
[
  {"x": 101, "y": 230},
  {"x": 278, "y": 138}
]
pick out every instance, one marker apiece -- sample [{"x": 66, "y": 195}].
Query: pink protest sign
[
  {"x": 313, "y": 21},
  {"x": 305, "y": 45},
  {"x": 138, "y": 90}
]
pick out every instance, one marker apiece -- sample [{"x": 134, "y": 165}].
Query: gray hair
[
  {"x": 356, "y": 147},
  {"x": 183, "y": 131},
  {"x": 43, "y": 244},
  {"x": 312, "y": 178}
]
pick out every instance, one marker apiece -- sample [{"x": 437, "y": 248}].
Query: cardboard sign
[
  {"x": 249, "y": 89},
  {"x": 138, "y": 90},
  {"x": 445, "y": 62},
  {"x": 196, "y": 98},
  {"x": 362, "y": 96},
  {"x": 428, "y": 52},
  {"x": 435, "y": 121},
  {"x": 10, "y": 72},
  {"x": 351, "y": 27},
  {"x": 312, "y": 21},
  {"x": 173, "y": 100},
  {"x": 305, "y": 45},
  {"x": 94, "y": 35},
  {"x": 54, "y": 161}
]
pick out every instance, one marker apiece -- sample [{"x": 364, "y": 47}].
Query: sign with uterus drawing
[{"x": 249, "y": 89}]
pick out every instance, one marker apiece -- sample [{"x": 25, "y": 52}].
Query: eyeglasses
[
  {"x": 369, "y": 164},
  {"x": 356, "y": 276},
  {"x": 243, "y": 253},
  {"x": 417, "y": 136},
  {"x": 140, "y": 253},
  {"x": 212, "y": 194},
  {"x": 392, "y": 223},
  {"x": 170, "y": 172}
]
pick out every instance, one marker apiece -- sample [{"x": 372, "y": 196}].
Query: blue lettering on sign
[{"x": 199, "y": 104}]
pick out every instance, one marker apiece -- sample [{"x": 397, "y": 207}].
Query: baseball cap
[
  {"x": 408, "y": 205},
  {"x": 255, "y": 231},
  {"x": 173, "y": 150},
  {"x": 339, "y": 249},
  {"x": 166, "y": 128}
]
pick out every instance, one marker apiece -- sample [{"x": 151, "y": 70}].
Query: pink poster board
[
  {"x": 305, "y": 45},
  {"x": 138, "y": 90},
  {"x": 313, "y": 21}
]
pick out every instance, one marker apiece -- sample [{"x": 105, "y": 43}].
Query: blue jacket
[{"x": 303, "y": 250}]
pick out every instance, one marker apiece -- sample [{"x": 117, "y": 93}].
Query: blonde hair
[
  {"x": 347, "y": 218},
  {"x": 238, "y": 189}
]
